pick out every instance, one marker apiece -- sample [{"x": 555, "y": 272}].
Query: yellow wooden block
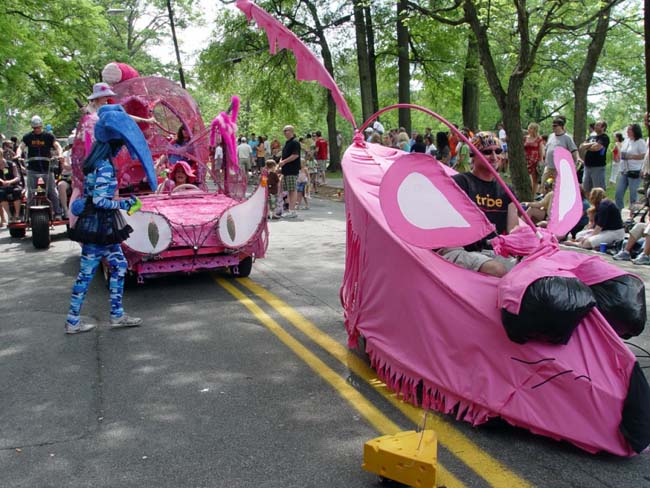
[{"x": 407, "y": 457}]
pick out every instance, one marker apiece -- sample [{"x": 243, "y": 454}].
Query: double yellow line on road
[{"x": 488, "y": 468}]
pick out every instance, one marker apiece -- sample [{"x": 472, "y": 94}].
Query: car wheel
[{"x": 243, "y": 269}]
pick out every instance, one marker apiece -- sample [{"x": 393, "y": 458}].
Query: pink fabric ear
[
  {"x": 424, "y": 207},
  {"x": 567, "y": 204}
]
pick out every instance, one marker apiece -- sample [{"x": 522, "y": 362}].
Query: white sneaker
[
  {"x": 125, "y": 321},
  {"x": 622, "y": 255},
  {"x": 643, "y": 259},
  {"x": 80, "y": 327},
  {"x": 290, "y": 215}
]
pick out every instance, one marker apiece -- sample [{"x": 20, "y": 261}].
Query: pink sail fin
[
  {"x": 308, "y": 66},
  {"x": 424, "y": 207},
  {"x": 567, "y": 203}
]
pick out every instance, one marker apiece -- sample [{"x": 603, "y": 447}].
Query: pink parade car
[
  {"x": 540, "y": 347},
  {"x": 192, "y": 227}
]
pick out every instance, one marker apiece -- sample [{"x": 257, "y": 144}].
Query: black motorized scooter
[{"x": 37, "y": 210}]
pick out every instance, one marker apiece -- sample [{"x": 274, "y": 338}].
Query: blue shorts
[{"x": 300, "y": 187}]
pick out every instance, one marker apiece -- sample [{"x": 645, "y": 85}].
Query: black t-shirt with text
[
  {"x": 38, "y": 146},
  {"x": 597, "y": 158},
  {"x": 489, "y": 196},
  {"x": 292, "y": 146}
]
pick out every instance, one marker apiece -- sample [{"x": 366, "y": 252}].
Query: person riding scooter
[{"x": 39, "y": 144}]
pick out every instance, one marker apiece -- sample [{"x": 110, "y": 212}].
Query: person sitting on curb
[
  {"x": 636, "y": 233},
  {"x": 606, "y": 226},
  {"x": 540, "y": 211}
]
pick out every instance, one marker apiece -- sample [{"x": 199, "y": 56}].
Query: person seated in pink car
[
  {"x": 483, "y": 189},
  {"x": 180, "y": 174}
]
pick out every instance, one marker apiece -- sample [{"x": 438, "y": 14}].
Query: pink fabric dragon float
[{"x": 469, "y": 344}]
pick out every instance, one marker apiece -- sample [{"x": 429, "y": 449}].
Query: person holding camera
[{"x": 632, "y": 154}]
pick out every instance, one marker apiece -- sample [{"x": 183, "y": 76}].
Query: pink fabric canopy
[{"x": 427, "y": 320}]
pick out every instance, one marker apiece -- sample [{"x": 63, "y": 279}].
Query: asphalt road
[{"x": 228, "y": 384}]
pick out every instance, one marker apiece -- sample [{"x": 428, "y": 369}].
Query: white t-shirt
[
  {"x": 244, "y": 152},
  {"x": 502, "y": 135},
  {"x": 633, "y": 147}
]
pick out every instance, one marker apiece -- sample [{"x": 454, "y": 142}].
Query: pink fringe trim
[
  {"x": 433, "y": 396},
  {"x": 349, "y": 292}
]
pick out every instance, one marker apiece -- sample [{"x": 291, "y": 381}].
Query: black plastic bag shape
[
  {"x": 622, "y": 301},
  {"x": 551, "y": 309}
]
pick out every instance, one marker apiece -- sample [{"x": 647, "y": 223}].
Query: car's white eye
[
  {"x": 239, "y": 223},
  {"x": 151, "y": 234}
]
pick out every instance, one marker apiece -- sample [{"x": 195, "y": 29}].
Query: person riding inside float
[
  {"x": 483, "y": 189},
  {"x": 180, "y": 174}
]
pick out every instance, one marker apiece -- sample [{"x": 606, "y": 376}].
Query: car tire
[{"x": 243, "y": 269}]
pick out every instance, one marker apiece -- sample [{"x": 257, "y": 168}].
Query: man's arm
[
  {"x": 21, "y": 149},
  {"x": 291, "y": 158},
  {"x": 57, "y": 147},
  {"x": 513, "y": 217}
]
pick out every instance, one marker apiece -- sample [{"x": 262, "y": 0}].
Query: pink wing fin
[
  {"x": 424, "y": 207},
  {"x": 567, "y": 204},
  {"x": 308, "y": 66}
]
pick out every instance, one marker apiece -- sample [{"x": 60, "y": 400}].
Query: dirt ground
[{"x": 329, "y": 192}]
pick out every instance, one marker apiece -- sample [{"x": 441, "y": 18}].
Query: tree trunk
[
  {"x": 471, "y": 94},
  {"x": 516, "y": 154},
  {"x": 583, "y": 81},
  {"x": 363, "y": 61},
  {"x": 335, "y": 157},
  {"x": 403, "y": 66},
  {"x": 372, "y": 59}
]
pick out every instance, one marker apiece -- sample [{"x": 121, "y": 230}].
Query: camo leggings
[{"x": 91, "y": 256}]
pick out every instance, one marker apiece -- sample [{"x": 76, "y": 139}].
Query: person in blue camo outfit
[{"x": 100, "y": 226}]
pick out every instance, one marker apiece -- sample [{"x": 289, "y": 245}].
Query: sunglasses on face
[{"x": 489, "y": 152}]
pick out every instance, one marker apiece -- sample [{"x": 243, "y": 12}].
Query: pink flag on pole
[
  {"x": 308, "y": 66},
  {"x": 567, "y": 204},
  {"x": 424, "y": 207}
]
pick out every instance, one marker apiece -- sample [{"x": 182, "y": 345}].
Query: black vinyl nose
[{"x": 635, "y": 425}]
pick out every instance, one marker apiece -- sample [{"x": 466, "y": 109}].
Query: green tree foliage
[
  {"x": 55, "y": 51},
  {"x": 238, "y": 62}
]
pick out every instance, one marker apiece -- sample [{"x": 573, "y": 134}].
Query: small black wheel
[
  {"x": 40, "y": 230},
  {"x": 17, "y": 232},
  {"x": 243, "y": 269}
]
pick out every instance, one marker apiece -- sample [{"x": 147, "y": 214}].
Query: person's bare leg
[
  {"x": 63, "y": 196},
  {"x": 16, "y": 210},
  {"x": 4, "y": 210},
  {"x": 534, "y": 183},
  {"x": 536, "y": 214},
  {"x": 293, "y": 198},
  {"x": 493, "y": 268}
]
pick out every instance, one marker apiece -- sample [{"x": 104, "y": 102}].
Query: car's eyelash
[
  {"x": 552, "y": 378},
  {"x": 532, "y": 362}
]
